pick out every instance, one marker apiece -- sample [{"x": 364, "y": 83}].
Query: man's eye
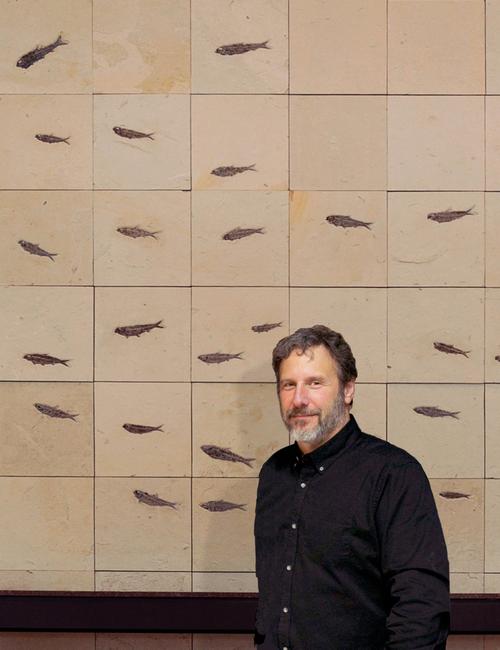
[
  {"x": 286, "y": 386},
  {"x": 316, "y": 382}
]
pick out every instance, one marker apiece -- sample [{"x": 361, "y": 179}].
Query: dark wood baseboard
[{"x": 85, "y": 611}]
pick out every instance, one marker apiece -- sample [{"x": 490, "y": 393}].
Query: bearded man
[{"x": 350, "y": 554}]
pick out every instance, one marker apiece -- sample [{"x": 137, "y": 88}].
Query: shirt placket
[{"x": 304, "y": 477}]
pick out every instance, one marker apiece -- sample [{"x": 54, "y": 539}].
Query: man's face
[{"x": 313, "y": 406}]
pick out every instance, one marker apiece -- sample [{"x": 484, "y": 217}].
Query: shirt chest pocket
[{"x": 326, "y": 539}]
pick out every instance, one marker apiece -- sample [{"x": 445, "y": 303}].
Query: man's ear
[{"x": 349, "y": 392}]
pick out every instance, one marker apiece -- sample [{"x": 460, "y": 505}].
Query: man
[{"x": 350, "y": 553}]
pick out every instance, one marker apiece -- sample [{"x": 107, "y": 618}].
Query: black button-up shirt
[{"x": 350, "y": 554}]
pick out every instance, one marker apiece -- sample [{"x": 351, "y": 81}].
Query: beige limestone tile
[
  {"x": 141, "y": 46},
  {"x": 223, "y": 642},
  {"x": 466, "y": 583},
  {"x": 223, "y": 541},
  {"x": 28, "y": 25},
  {"x": 429, "y": 148},
  {"x": 492, "y": 143},
  {"x": 244, "y": 418},
  {"x": 240, "y": 131},
  {"x": 369, "y": 409},
  {"x": 338, "y": 47},
  {"x": 492, "y": 525},
  {"x": 162, "y": 354},
  {"x": 55, "y": 321},
  {"x": 462, "y": 519},
  {"x": 58, "y": 222},
  {"x": 223, "y": 318},
  {"x": 142, "y": 581},
  {"x": 34, "y": 164},
  {"x": 158, "y": 162},
  {"x": 492, "y": 46},
  {"x": 47, "y": 641},
  {"x": 492, "y": 583},
  {"x": 46, "y": 524},
  {"x": 358, "y": 314},
  {"x": 492, "y": 248},
  {"x": 260, "y": 258},
  {"x": 448, "y": 446},
  {"x": 424, "y": 251},
  {"x": 338, "y": 143},
  {"x": 492, "y": 424},
  {"x": 135, "y": 536},
  {"x": 492, "y": 335},
  {"x": 418, "y": 318},
  {"x": 343, "y": 255},
  {"x": 465, "y": 642},
  {"x": 37, "y": 444},
  {"x": 436, "y": 47},
  {"x": 142, "y": 641},
  {"x": 29, "y": 580},
  {"x": 166, "y": 452},
  {"x": 161, "y": 258},
  {"x": 221, "y": 23},
  {"x": 225, "y": 582}
]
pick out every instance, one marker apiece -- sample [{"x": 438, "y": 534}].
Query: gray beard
[{"x": 332, "y": 420}]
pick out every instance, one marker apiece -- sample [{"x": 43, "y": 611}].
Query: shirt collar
[{"x": 325, "y": 454}]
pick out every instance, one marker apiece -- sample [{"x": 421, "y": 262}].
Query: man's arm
[{"x": 414, "y": 561}]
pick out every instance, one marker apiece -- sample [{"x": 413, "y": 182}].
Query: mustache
[{"x": 295, "y": 412}]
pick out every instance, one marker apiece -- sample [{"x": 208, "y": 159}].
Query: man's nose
[{"x": 300, "y": 396}]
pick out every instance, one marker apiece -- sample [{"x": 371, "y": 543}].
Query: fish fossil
[
  {"x": 130, "y": 133},
  {"x": 449, "y": 215},
  {"x": 51, "y": 139},
  {"x": 222, "y": 506},
  {"x": 450, "y": 349},
  {"x": 241, "y": 48},
  {"x": 224, "y": 453},
  {"x": 218, "y": 357},
  {"x": 232, "y": 171},
  {"x": 44, "y": 359},
  {"x": 345, "y": 221},
  {"x": 35, "y": 249},
  {"x": 135, "y": 231},
  {"x": 239, "y": 233},
  {"x": 136, "y": 330},
  {"x": 435, "y": 412},
  {"x": 454, "y": 495},
  {"x": 265, "y": 327},
  {"x": 54, "y": 411},
  {"x": 39, "y": 53},
  {"x": 153, "y": 499},
  {"x": 141, "y": 428}
]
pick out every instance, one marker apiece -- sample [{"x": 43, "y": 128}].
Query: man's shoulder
[
  {"x": 281, "y": 458},
  {"x": 384, "y": 451}
]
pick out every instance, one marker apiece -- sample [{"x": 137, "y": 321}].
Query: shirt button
[
  {"x": 294, "y": 525},
  {"x": 288, "y": 567},
  {"x": 321, "y": 468},
  {"x": 285, "y": 609},
  {"x": 302, "y": 485}
]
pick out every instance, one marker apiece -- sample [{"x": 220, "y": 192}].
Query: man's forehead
[{"x": 315, "y": 353}]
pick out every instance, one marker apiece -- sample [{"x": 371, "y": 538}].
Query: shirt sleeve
[{"x": 414, "y": 561}]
